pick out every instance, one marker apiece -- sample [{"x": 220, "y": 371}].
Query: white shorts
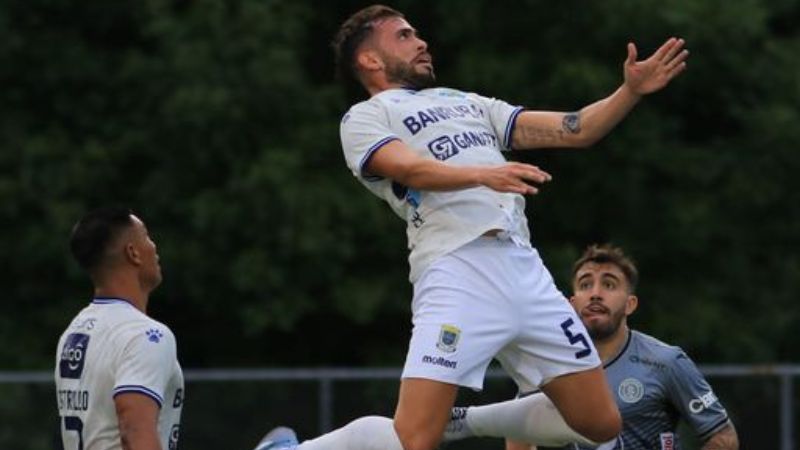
[{"x": 493, "y": 298}]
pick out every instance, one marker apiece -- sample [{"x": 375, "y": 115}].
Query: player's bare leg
[
  {"x": 585, "y": 402},
  {"x": 423, "y": 411}
]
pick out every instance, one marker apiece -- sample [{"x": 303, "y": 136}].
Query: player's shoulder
[
  {"x": 368, "y": 107},
  {"x": 449, "y": 92},
  {"x": 129, "y": 324},
  {"x": 151, "y": 330},
  {"x": 655, "y": 349}
]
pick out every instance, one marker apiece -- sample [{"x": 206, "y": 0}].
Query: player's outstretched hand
[
  {"x": 514, "y": 177},
  {"x": 655, "y": 72}
]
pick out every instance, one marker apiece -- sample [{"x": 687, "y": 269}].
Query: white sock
[
  {"x": 533, "y": 419},
  {"x": 365, "y": 433}
]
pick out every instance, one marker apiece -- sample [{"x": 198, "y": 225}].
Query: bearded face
[
  {"x": 417, "y": 74},
  {"x": 602, "y": 298},
  {"x": 605, "y": 325}
]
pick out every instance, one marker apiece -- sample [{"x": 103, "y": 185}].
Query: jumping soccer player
[{"x": 480, "y": 289}]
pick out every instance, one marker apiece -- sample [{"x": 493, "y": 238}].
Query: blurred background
[{"x": 217, "y": 122}]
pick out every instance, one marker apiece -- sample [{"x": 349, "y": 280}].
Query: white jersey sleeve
[
  {"x": 502, "y": 116},
  {"x": 364, "y": 130},
  {"x": 146, "y": 362}
]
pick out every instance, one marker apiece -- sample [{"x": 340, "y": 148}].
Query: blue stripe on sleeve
[
  {"x": 512, "y": 121},
  {"x": 140, "y": 389},
  {"x": 370, "y": 153}
]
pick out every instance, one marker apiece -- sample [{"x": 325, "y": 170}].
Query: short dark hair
[
  {"x": 353, "y": 32},
  {"x": 92, "y": 234},
  {"x": 609, "y": 254}
]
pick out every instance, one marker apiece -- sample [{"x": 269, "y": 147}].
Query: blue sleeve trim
[
  {"x": 370, "y": 153},
  {"x": 139, "y": 389},
  {"x": 713, "y": 430},
  {"x": 528, "y": 393},
  {"x": 512, "y": 122}
]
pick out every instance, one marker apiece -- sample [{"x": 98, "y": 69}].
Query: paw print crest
[{"x": 154, "y": 335}]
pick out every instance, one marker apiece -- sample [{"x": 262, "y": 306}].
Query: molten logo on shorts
[
  {"x": 439, "y": 361},
  {"x": 448, "y": 338}
]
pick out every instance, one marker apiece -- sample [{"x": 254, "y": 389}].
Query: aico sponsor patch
[{"x": 73, "y": 355}]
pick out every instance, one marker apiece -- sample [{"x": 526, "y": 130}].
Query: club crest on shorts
[{"x": 448, "y": 338}]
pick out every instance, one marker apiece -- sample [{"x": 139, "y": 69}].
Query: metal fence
[{"x": 325, "y": 381}]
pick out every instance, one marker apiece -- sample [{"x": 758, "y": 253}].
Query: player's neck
[
  {"x": 124, "y": 289},
  {"x": 610, "y": 347},
  {"x": 377, "y": 83}
]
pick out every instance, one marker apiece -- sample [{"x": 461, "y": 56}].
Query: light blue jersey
[{"x": 655, "y": 385}]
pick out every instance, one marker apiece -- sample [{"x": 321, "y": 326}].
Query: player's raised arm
[
  {"x": 724, "y": 439},
  {"x": 537, "y": 129},
  {"x": 399, "y": 163}
]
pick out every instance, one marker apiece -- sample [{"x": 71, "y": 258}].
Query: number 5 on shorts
[{"x": 576, "y": 338}]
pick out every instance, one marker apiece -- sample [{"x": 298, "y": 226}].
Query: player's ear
[
  {"x": 369, "y": 60},
  {"x": 132, "y": 254},
  {"x": 631, "y": 304}
]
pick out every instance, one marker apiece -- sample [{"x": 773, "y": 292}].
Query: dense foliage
[{"x": 218, "y": 122}]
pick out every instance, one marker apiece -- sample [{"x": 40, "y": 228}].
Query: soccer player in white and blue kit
[
  {"x": 118, "y": 381},
  {"x": 480, "y": 290},
  {"x": 655, "y": 385}
]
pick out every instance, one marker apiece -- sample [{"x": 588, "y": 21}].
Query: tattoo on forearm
[
  {"x": 724, "y": 439},
  {"x": 540, "y": 136},
  {"x": 571, "y": 123}
]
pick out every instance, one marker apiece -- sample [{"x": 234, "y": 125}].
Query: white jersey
[
  {"x": 112, "y": 348},
  {"x": 451, "y": 126}
]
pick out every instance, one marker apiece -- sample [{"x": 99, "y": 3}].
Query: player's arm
[
  {"x": 138, "y": 421},
  {"x": 399, "y": 163},
  {"x": 724, "y": 439},
  {"x": 536, "y": 129},
  {"x": 515, "y": 445},
  {"x": 691, "y": 395}
]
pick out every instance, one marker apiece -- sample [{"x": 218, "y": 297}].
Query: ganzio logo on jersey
[
  {"x": 443, "y": 148},
  {"x": 73, "y": 355}
]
